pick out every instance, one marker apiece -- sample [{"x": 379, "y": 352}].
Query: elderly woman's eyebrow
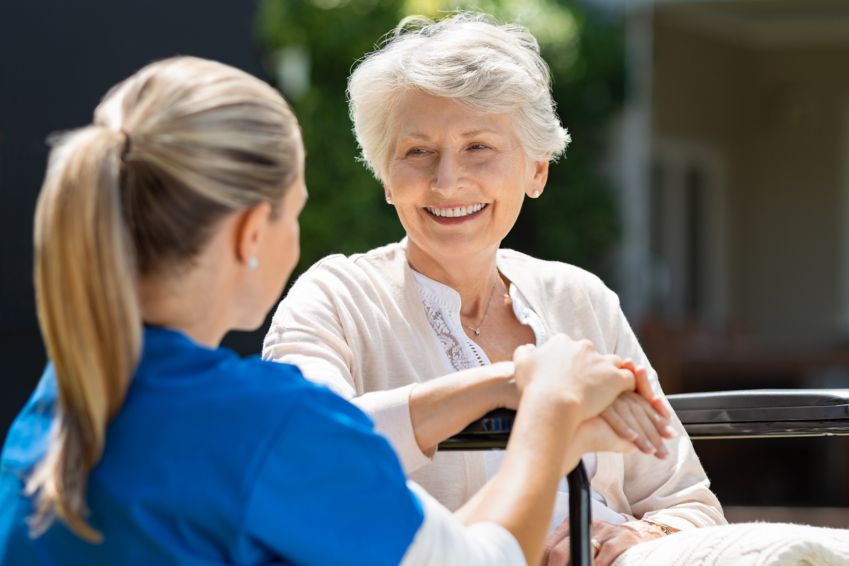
[
  {"x": 473, "y": 133},
  {"x": 467, "y": 134},
  {"x": 416, "y": 135}
]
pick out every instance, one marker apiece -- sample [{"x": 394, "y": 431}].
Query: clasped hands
[
  {"x": 637, "y": 419},
  {"x": 609, "y": 541}
]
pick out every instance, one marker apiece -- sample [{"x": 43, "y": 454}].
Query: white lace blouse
[{"x": 442, "y": 305}]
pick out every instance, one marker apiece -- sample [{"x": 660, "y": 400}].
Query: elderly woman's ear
[{"x": 539, "y": 178}]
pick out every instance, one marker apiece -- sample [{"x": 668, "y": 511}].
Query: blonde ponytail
[
  {"x": 88, "y": 309},
  {"x": 174, "y": 148}
]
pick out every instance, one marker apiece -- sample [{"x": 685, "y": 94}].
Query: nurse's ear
[
  {"x": 251, "y": 228},
  {"x": 539, "y": 177}
]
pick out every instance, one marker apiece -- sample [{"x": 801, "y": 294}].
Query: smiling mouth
[{"x": 457, "y": 211}]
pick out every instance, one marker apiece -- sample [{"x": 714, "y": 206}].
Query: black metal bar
[
  {"x": 580, "y": 517},
  {"x": 491, "y": 433}
]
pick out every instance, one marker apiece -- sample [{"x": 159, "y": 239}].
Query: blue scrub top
[{"x": 216, "y": 459}]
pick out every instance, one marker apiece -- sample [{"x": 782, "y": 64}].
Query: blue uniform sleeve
[
  {"x": 29, "y": 436},
  {"x": 331, "y": 490},
  {"x": 25, "y": 445}
]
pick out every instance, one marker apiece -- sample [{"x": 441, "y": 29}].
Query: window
[{"x": 687, "y": 234}]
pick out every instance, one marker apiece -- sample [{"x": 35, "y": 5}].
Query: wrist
[
  {"x": 543, "y": 434},
  {"x": 658, "y": 528},
  {"x": 500, "y": 391},
  {"x": 560, "y": 397},
  {"x": 564, "y": 405},
  {"x": 504, "y": 394}
]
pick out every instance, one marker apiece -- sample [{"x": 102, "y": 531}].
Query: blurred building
[
  {"x": 733, "y": 161},
  {"x": 734, "y": 164}
]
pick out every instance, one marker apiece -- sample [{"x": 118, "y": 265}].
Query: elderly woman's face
[{"x": 457, "y": 176}]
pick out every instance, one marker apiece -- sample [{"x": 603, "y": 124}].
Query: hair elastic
[{"x": 128, "y": 144}]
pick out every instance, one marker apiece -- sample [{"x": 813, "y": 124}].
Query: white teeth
[{"x": 456, "y": 212}]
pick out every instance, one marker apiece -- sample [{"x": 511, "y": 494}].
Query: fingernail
[
  {"x": 670, "y": 431},
  {"x": 662, "y": 454}
]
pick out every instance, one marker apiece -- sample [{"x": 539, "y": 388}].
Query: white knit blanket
[{"x": 744, "y": 544}]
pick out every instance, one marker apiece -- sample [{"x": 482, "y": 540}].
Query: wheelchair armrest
[
  {"x": 722, "y": 414},
  {"x": 763, "y": 412}
]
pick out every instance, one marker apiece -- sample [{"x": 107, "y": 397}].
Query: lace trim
[
  {"x": 450, "y": 345},
  {"x": 441, "y": 306}
]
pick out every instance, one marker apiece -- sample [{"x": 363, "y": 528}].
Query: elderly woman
[{"x": 457, "y": 121}]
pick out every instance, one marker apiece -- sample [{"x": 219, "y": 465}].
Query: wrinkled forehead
[{"x": 421, "y": 115}]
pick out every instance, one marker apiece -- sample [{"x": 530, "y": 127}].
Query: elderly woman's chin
[
  {"x": 473, "y": 234},
  {"x": 481, "y": 235}
]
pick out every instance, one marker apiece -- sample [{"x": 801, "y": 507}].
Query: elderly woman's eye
[
  {"x": 478, "y": 146},
  {"x": 416, "y": 151}
]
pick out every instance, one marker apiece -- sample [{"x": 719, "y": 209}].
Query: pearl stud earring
[{"x": 253, "y": 263}]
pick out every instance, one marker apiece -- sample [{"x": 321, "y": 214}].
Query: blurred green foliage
[{"x": 310, "y": 46}]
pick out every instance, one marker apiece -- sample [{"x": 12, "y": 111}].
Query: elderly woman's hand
[
  {"x": 643, "y": 386},
  {"x": 633, "y": 418},
  {"x": 642, "y": 416},
  {"x": 610, "y": 541}
]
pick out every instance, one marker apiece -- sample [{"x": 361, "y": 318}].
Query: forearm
[
  {"x": 704, "y": 512},
  {"x": 521, "y": 495},
  {"x": 674, "y": 491},
  {"x": 442, "y": 540},
  {"x": 442, "y": 407}
]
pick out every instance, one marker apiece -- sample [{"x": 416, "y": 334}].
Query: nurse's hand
[
  {"x": 574, "y": 371},
  {"x": 594, "y": 435}
]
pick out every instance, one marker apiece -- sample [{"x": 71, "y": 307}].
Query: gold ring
[{"x": 596, "y": 546}]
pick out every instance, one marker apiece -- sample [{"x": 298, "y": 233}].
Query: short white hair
[{"x": 470, "y": 57}]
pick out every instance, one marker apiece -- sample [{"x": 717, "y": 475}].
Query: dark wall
[{"x": 57, "y": 59}]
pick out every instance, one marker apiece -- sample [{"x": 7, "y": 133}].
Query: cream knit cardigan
[{"x": 357, "y": 324}]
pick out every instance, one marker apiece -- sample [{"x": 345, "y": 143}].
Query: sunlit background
[{"x": 707, "y": 181}]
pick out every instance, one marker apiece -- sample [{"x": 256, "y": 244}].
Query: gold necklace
[{"x": 477, "y": 330}]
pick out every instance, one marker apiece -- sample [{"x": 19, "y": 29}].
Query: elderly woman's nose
[{"x": 446, "y": 174}]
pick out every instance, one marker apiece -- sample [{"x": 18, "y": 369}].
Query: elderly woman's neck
[{"x": 472, "y": 276}]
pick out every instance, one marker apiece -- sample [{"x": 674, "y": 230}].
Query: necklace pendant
[{"x": 477, "y": 331}]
